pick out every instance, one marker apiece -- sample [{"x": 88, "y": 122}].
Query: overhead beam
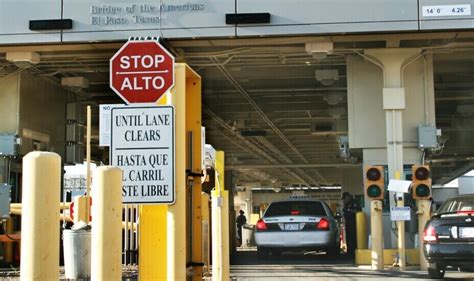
[
  {"x": 265, "y": 118},
  {"x": 280, "y": 166}
]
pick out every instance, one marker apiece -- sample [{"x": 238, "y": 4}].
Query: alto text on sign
[{"x": 143, "y": 146}]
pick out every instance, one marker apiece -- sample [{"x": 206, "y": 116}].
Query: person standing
[
  {"x": 241, "y": 220},
  {"x": 349, "y": 209}
]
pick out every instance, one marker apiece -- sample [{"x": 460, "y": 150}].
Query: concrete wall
[
  {"x": 352, "y": 180},
  {"x": 367, "y": 128},
  {"x": 9, "y": 104},
  {"x": 466, "y": 185},
  {"x": 118, "y": 20},
  {"x": 42, "y": 114}
]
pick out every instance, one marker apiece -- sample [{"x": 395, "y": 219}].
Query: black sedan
[{"x": 448, "y": 238}]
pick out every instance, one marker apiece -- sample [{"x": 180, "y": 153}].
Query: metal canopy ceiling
[{"x": 274, "y": 109}]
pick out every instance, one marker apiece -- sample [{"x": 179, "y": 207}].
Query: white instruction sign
[
  {"x": 447, "y": 10},
  {"x": 143, "y": 146},
  {"x": 104, "y": 123},
  {"x": 400, "y": 213}
]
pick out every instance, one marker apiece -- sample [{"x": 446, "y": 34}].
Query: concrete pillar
[
  {"x": 106, "y": 252},
  {"x": 40, "y": 213},
  {"x": 393, "y": 63}
]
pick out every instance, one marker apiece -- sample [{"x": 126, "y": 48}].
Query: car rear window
[
  {"x": 457, "y": 204},
  {"x": 295, "y": 208}
]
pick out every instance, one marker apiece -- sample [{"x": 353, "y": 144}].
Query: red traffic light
[
  {"x": 421, "y": 182},
  {"x": 374, "y": 182},
  {"x": 422, "y": 173},
  {"x": 373, "y": 174}
]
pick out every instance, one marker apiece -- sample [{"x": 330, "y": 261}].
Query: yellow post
[
  {"x": 88, "y": 161},
  {"x": 163, "y": 228},
  {"x": 225, "y": 236},
  {"x": 401, "y": 230},
  {"x": 424, "y": 213},
  {"x": 40, "y": 212},
  {"x": 376, "y": 234},
  {"x": 361, "y": 224},
  {"x": 152, "y": 238},
  {"x": 80, "y": 209},
  {"x": 106, "y": 262},
  {"x": 194, "y": 125},
  {"x": 205, "y": 232},
  {"x": 220, "y": 224},
  {"x": 8, "y": 247},
  {"x": 176, "y": 232}
]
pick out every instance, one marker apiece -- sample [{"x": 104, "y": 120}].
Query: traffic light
[
  {"x": 421, "y": 182},
  {"x": 374, "y": 182}
]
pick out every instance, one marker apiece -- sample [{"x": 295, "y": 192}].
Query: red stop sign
[{"x": 141, "y": 71}]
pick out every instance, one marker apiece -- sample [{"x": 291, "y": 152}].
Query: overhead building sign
[
  {"x": 137, "y": 13},
  {"x": 143, "y": 146}
]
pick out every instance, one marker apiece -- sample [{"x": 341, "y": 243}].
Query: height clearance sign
[
  {"x": 141, "y": 71},
  {"x": 143, "y": 147}
]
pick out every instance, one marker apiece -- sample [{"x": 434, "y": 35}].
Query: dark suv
[{"x": 448, "y": 238}]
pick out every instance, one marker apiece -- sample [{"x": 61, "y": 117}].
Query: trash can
[{"x": 77, "y": 253}]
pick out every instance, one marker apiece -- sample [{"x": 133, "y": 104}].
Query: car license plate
[
  {"x": 292, "y": 226},
  {"x": 466, "y": 232}
]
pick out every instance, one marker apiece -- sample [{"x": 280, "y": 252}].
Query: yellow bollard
[
  {"x": 220, "y": 224},
  {"x": 377, "y": 234},
  {"x": 8, "y": 247},
  {"x": 225, "y": 237},
  {"x": 80, "y": 209},
  {"x": 361, "y": 224},
  {"x": 401, "y": 239},
  {"x": 106, "y": 261},
  {"x": 424, "y": 213},
  {"x": 205, "y": 232},
  {"x": 176, "y": 217},
  {"x": 40, "y": 212}
]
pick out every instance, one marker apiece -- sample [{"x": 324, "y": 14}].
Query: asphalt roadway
[{"x": 316, "y": 266}]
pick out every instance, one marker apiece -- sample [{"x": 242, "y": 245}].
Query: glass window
[
  {"x": 295, "y": 208},
  {"x": 457, "y": 204}
]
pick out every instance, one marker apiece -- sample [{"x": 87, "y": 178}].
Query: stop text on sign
[{"x": 142, "y": 82}]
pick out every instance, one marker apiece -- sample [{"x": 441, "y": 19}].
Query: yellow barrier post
[
  {"x": 424, "y": 213},
  {"x": 8, "y": 247},
  {"x": 220, "y": 224},
  {"x": 361, "y": 224},
  {"x": 194, "y": 126},
  {"x": 376, "y": 234},
  {"x": 162, "y": 236},
  {"x": 401, "y": 230},
  {"x": 152, "y": 238},
  {"x": 205, "y": 232},
  {"x": 40, "y": 212},
  {"x": 80, "y": 209},
  {"x": 106, "y": 262}
]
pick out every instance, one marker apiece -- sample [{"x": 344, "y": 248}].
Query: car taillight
[
  {"x": 323, "y": 224},
  {"x": 295, "y": 213},
  {"x": 261, "y": 226},
  {"x": 466, "y": 212},
  {"x": 429, "y": 235}
]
